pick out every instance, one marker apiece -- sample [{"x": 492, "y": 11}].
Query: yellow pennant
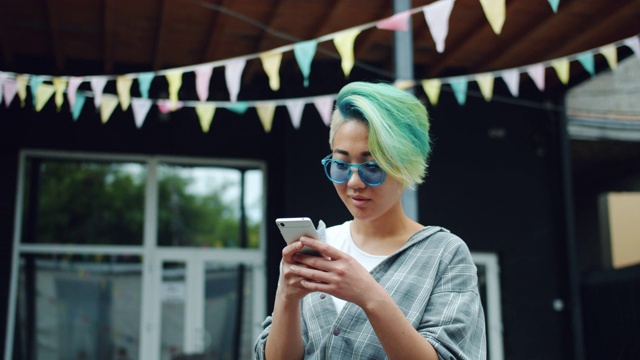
[
  {"x": 43, "y": 94},
  {"x": 271, "y": 64},
  {"x": 123, "y": 87},
  {"x": 610, "y": 52},
  {"x": 265, "y": 112},
  {"x": 562, "y": 69},
  {"x": 485, "y": 82},
  {"x": 344, "y": 43},
  {"x": 205, "y": 113},
  {"x": 174, "y": 78},
  {"x": 432, "y": 88},
  {"x": 495, "y": 11},
  {"x": 60, "y": 85},
  {"x": 107, "y": 106},
  {"x": 22, "y": 82}
]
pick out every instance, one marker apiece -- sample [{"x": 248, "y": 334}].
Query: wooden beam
[
  {"x": 57, "y": 41},
  {"x": 218, "y": 22},
  {"x": 108, "y": 35},
  {"x": 162, "y": 30}
]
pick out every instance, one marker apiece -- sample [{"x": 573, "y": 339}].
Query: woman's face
[{"x": 366, "y": 203}]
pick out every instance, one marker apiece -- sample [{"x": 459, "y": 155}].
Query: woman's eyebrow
[{"x": 346, "y": 153}]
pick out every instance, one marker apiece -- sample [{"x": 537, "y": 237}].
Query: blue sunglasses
[{"x": 339, "y": 171}]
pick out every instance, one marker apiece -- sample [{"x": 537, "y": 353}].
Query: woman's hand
[
  {"x": 337, "y": 273},
  {"x": 290, "y": 283}
]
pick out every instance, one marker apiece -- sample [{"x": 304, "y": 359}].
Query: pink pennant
[
  {"x": 324, "y": 105},
  {"x": 437, "y": 16},
  {"x": 72, "y": 89},
  {"x": 399, "y": 21},
  {"x": 537, "y": 72},
  {"x": 203, "y": 79},
  {"x": 10, "y": 86},
  {"x": 166, "y": 106}
]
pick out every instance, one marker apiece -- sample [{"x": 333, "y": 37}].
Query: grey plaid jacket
[{"x": 434, "y": 282}]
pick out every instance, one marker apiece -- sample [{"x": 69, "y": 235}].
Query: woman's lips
[{"x": 359, "y": 201}]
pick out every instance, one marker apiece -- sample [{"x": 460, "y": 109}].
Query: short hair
[{"x": 398, "y": 124}]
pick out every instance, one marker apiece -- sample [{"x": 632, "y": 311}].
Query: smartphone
[{"x": 293, "y": 228}]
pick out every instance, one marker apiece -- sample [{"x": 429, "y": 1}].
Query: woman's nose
[{"x": 355, "y": 182}]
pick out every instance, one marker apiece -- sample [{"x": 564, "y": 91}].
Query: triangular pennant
[
  {"x": 144, "y": 83},
  {"x": 78, "y": 104},
  {"x": 59, "y": 84},
  {"x": 9, "y": 90},
  {"x": 3, "y": 77},
  {"x": 324, "y": 105},
  {"x": 123, "y": 87},
  {"x": 295, "y": 107},
  {"x": 239, "y": 108},
  {"x": 203, "y": 80},
  {"x": 561, "y": 66},
  {"x": 460, "y": 86},
  {"x": 437, "y": 16},
  {"x": 72, "y": 89},
  {"x": 399, "y": 21},
  {"x": 634, "y": 44},
  {"x": 265, "y": 112},
  {"x": 495, "y": 11},
  {"x": 344, "y": 43},
  {"x": 554, "y": 5},
  {"x": 588, "y": 62},
  {"x": 22, "y": 81},
  {"x": 174, "y": 78},
  {"x": 107, "y": 106},
  {"x": 205, "y": 115},
  {"x": 485, "y": 83},
  {"x": 97, "y": 86},
  {"x": 43, "y": 94},
  {"x": 404, "y": 84},
  {"x": 140, "y": 108},
  {"x": 536, "y": 73},
  {"x": 233, "y": 74},
  {"x": 304, "y": 53},
  {"x": 34, "y": 83},
  {"x": 166, "y": 106},
  {"x": 432, "y": 88},
  {"x": 511, "y": 77},
  {"x": 610, "y": 52},
  {"x": 271, "y": 64}
]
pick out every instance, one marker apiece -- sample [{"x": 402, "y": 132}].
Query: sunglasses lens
[
  {"x": 372, "y": 174},
  {"x": 338, "y": 171}
]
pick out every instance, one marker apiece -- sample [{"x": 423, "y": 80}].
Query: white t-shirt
[{"x": 339, "y": 236}]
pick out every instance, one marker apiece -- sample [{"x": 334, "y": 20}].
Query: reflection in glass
[
  {"x": 82, "y": 307},
  {"x": 206, "y": 206},
  {"x": 81, "y": 202}
]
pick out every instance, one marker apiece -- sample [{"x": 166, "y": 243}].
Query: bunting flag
[
  {"x": 295, "y": 108},
  {"x": 140, "y": 108},
  {"x": 239, "y": 108},
  {"x": 304, "y": 53},
  {"x": 3, "y": 77},
  {"x": 437, "y": 17},
  {"x": 167, "y": 106},
  {"x": 324, "y": 105},
  {"x": 265, "y": 113},
  {"x": 174, "y": 79},
  {"x": 123, "y": 88},
  {"x": 588, "y": 63},
  {"x": 561, "y": 66},
  {"x": 397, "y": 22},
  {"x": 72, "y": 88},
  {"x": 485, "y": 83},
  {"x": 634, "y": 44},
  {"x": 495, "y": 11},
  {"x": 59, "y": 85},
  {"x": 108, "y": 104},
  {"x": 271, "y": 65},
  {"x": 536, "y": 73},
  {"x": 233, "y": 75},
  {"x": 610, "y": 52},
  {"x": 144, "y": 83},
  {"x": 205, "y": 115},
  {"x": 432, "y": 88},
  {"x": 554, "y": 5},
  {"x": 97, "y": 85},
  {"x": 9, "y": 90},
  {"x": 43, "y": 94},
  {"x": 344, "y": 43},
  {"x": 512, "y": 78},
  {"x": 77, "y": 106},
  {"x": 460, "y": 86},
  {"x": 203, "y": 80},
  {"x": 34, "y": 83},
  {"x": 22, "y": 82}
]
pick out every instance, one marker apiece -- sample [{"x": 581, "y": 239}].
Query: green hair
[{"x": 398, "y": 125}]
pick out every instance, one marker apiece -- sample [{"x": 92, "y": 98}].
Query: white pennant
[
  {"x": 97, "y": 86},
  {"x": 140, "y": 108},
  {"x": 437, "y": 16},
  {"x": 537, "y": 73},
  {"x": 72, "y": 89},
  {"x": 512, "y": 79},
  {"x": 634, "y": 44},
  {"x": 324, "y": 105},
  {"x": 233, "y": 74},
  {"x": 3, "y": 77},
  {"x": 295, "y": 108}
]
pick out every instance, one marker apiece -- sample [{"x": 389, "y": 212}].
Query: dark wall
[{"x": 494, "y": 180}]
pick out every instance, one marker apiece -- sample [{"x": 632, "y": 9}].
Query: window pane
[
  {"x": 199, "y": 206},
  {"x": 81, "y": 202},
  {"x": 173, "y": 293},
  {"x": 253, "y": 204},
  {"x": 78, "y": 307}
]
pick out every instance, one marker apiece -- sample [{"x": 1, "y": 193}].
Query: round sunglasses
[{"x": 339, "y": 171}]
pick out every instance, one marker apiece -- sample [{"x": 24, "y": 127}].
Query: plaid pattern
[{"x": 433, "y": 281}]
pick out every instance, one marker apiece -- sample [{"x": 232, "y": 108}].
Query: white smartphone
[{"x": 293, "y": 228}]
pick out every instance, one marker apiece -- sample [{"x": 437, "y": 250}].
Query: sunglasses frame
[{"x": 328, "y": 159}]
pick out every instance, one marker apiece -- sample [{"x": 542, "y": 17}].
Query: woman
[{"x": 385, "y": 286}]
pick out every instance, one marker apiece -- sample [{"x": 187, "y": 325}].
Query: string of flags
[{"x": 436, "y": 15}]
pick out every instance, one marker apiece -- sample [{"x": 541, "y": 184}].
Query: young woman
[{"x": 386, "y": 286}]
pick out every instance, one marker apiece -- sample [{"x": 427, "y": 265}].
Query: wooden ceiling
[{"x": 92, "y": 37}]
